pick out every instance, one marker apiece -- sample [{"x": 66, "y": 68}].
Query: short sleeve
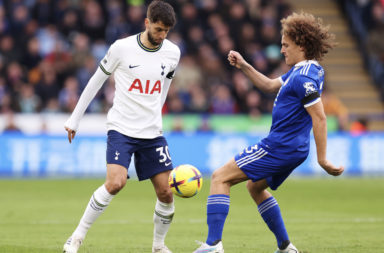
[
  {"x": 307, "y": 90},
  {"x": 110, "y": 61},
  {"x": 176, "y": 59}
]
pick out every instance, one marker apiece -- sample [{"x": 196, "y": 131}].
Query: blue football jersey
[{"x": 291, "y": 123}]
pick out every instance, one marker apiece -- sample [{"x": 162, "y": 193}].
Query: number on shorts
[{"x": 163, "y": 155}]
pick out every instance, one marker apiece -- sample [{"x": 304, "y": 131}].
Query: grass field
[{"x": 321, "y": 215}]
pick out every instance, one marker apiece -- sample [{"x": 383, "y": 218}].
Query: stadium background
[{"x": 49, "y": 50}]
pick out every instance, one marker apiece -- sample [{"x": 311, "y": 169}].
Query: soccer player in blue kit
[{"x": 297, "y": 109}]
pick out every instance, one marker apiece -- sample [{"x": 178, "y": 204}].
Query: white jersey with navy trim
[
  {"x": 139, "y": 73},
  {"x": 291, "y": 124}
]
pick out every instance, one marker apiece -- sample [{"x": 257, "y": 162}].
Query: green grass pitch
[{"x": 321, "y": 215}]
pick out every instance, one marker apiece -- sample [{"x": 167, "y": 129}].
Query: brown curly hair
[{"x": 309, "y": 33}]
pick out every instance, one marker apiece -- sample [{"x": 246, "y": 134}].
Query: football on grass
[{"x": 185, "y": 181}]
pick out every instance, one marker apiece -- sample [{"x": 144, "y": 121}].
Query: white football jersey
[{"x": 139, "y": 73}]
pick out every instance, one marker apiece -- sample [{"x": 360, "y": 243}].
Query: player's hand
[
  {"x": 71, "y": 134},
  {"x": 235, "y": 59},
  {"x": 331, "y": 169}
]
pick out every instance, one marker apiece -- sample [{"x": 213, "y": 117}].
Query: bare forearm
[
  {"x": 320, "y": 134},
  {"x": 260, "y": 80}
]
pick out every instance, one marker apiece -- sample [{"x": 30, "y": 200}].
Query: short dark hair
[
  {"x": 308, "y": 32},
  {"x": 161, "y": 11}
]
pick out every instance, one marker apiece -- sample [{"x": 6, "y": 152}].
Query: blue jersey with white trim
[{"x": 291, "y": 123}]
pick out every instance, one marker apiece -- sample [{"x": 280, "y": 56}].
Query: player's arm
[
  {"x": 319, "y": 122},
  {"x": 90, "y": 91},
  {"x": 258, "y": 79}
]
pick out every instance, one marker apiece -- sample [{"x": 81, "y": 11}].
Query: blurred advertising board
[{"x": 52, "y": 156}]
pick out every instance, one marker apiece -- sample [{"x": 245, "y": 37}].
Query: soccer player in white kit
[{"x": 143, "y": 67}]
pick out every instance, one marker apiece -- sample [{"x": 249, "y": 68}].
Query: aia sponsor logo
[{"x": 146, "y": 87}]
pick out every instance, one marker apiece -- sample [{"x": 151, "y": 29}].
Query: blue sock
[
  {"x": 270, "y": 211},
  {"x": 217, "y": 211}
]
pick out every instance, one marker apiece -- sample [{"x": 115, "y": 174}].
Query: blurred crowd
[
  {"x": 367, "y": 22},
  {"x": 50, "y": 49}
]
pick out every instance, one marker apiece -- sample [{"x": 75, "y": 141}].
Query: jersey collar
[
  {"x": 305, "y": 62},
  {"x": 147, "y": 48}
]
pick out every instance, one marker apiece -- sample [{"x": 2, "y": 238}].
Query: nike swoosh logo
[
  {"x": 167, "y": 164},
  {"x": 133, "y": 66}
]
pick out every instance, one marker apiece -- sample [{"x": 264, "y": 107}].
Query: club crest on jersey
[
  {"x": 309, "y": 88},
  {"x": 320, "y": 73},
  {"x": 145, "y": 87},
  {"x": 163, "y": 67}
]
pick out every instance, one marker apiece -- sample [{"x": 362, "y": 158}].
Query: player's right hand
[
  {"x": 71, "y": 134},
  {"x": 235, "y": 59},
  {"x": 331, "y": 169}
]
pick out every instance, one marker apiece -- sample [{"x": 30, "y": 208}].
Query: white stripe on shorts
[{"x": 251, "y": 158}]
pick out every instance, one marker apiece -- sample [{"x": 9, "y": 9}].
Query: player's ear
[{"x": 146, "y": 23}]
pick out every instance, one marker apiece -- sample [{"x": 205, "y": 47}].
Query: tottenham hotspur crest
[{"x": 162, "y": 67}]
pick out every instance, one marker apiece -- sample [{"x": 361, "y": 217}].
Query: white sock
[
  {"x": 96, "y": 206},
  {"x": 162, "y": 219}
]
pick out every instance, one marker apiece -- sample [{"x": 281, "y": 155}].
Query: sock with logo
[
  {"x": 217, "y": 211},
  {"x": 96, "y": 206},
  {"x": 162, "y": 219},
  {"x": 270, "y": 211}
]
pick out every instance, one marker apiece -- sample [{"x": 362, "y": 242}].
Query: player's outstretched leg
[
  {"x": 162, "y": 219},
  {"x": 96, "y": 206},
  {"x": 217, "y": 212},
  {"x": 270, "y": 212}
]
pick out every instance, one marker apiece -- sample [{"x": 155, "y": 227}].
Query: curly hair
[
  {"x": 309, "y": 33},
  {"x": 161, "y": 11}
]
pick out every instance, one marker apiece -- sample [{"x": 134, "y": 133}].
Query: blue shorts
[
  {"x": 151, "y": 155},
  {"x": 258, "y": 163}
]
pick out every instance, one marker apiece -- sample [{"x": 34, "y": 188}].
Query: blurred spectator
[
  {"x": 375, "y": 43},
  {"x": 241, "y": 86},
  {"x": 253, "y": 100},
  {"x": 8, "y": 50},
  {"x": 10, "y": 125},
  {"x": 28, "y": 101},
  {"x": 334, "y": 107},
  {"x": 32, "y": 57},
  {"x": 93, "y": 21},
  {"x": 222, "y": 100},
  {"x": 359, "y": 127},
  {"x": 69, "y": 95},
  {"x": 48, "y": 87}
]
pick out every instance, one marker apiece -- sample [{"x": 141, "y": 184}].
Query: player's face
[
  {"x": 157, "y": 32},
  {"x": 291, "y": 51}
]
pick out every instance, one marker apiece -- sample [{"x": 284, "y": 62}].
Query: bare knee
[
  {"x": 216, "y": 177},
  {"x": 253, "y": 188},
  {"x": 164, "y": 194},
  {"x": 258, "y": 190},
  {"x": 115, "y": 185}
]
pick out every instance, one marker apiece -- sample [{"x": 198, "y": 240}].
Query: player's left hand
[{"x": 332, "y": 169}]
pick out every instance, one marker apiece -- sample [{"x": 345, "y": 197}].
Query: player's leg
[
  {"x": 270, "y": 211},
  {"x": 153, "y": 161},
  {"x": 164, "y": 210},
  {"x": 115, "y": 181},
  {"x": 218, "y": 204}
]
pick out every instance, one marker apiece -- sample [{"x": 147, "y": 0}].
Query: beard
[{"x": 152, "y": 40}]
